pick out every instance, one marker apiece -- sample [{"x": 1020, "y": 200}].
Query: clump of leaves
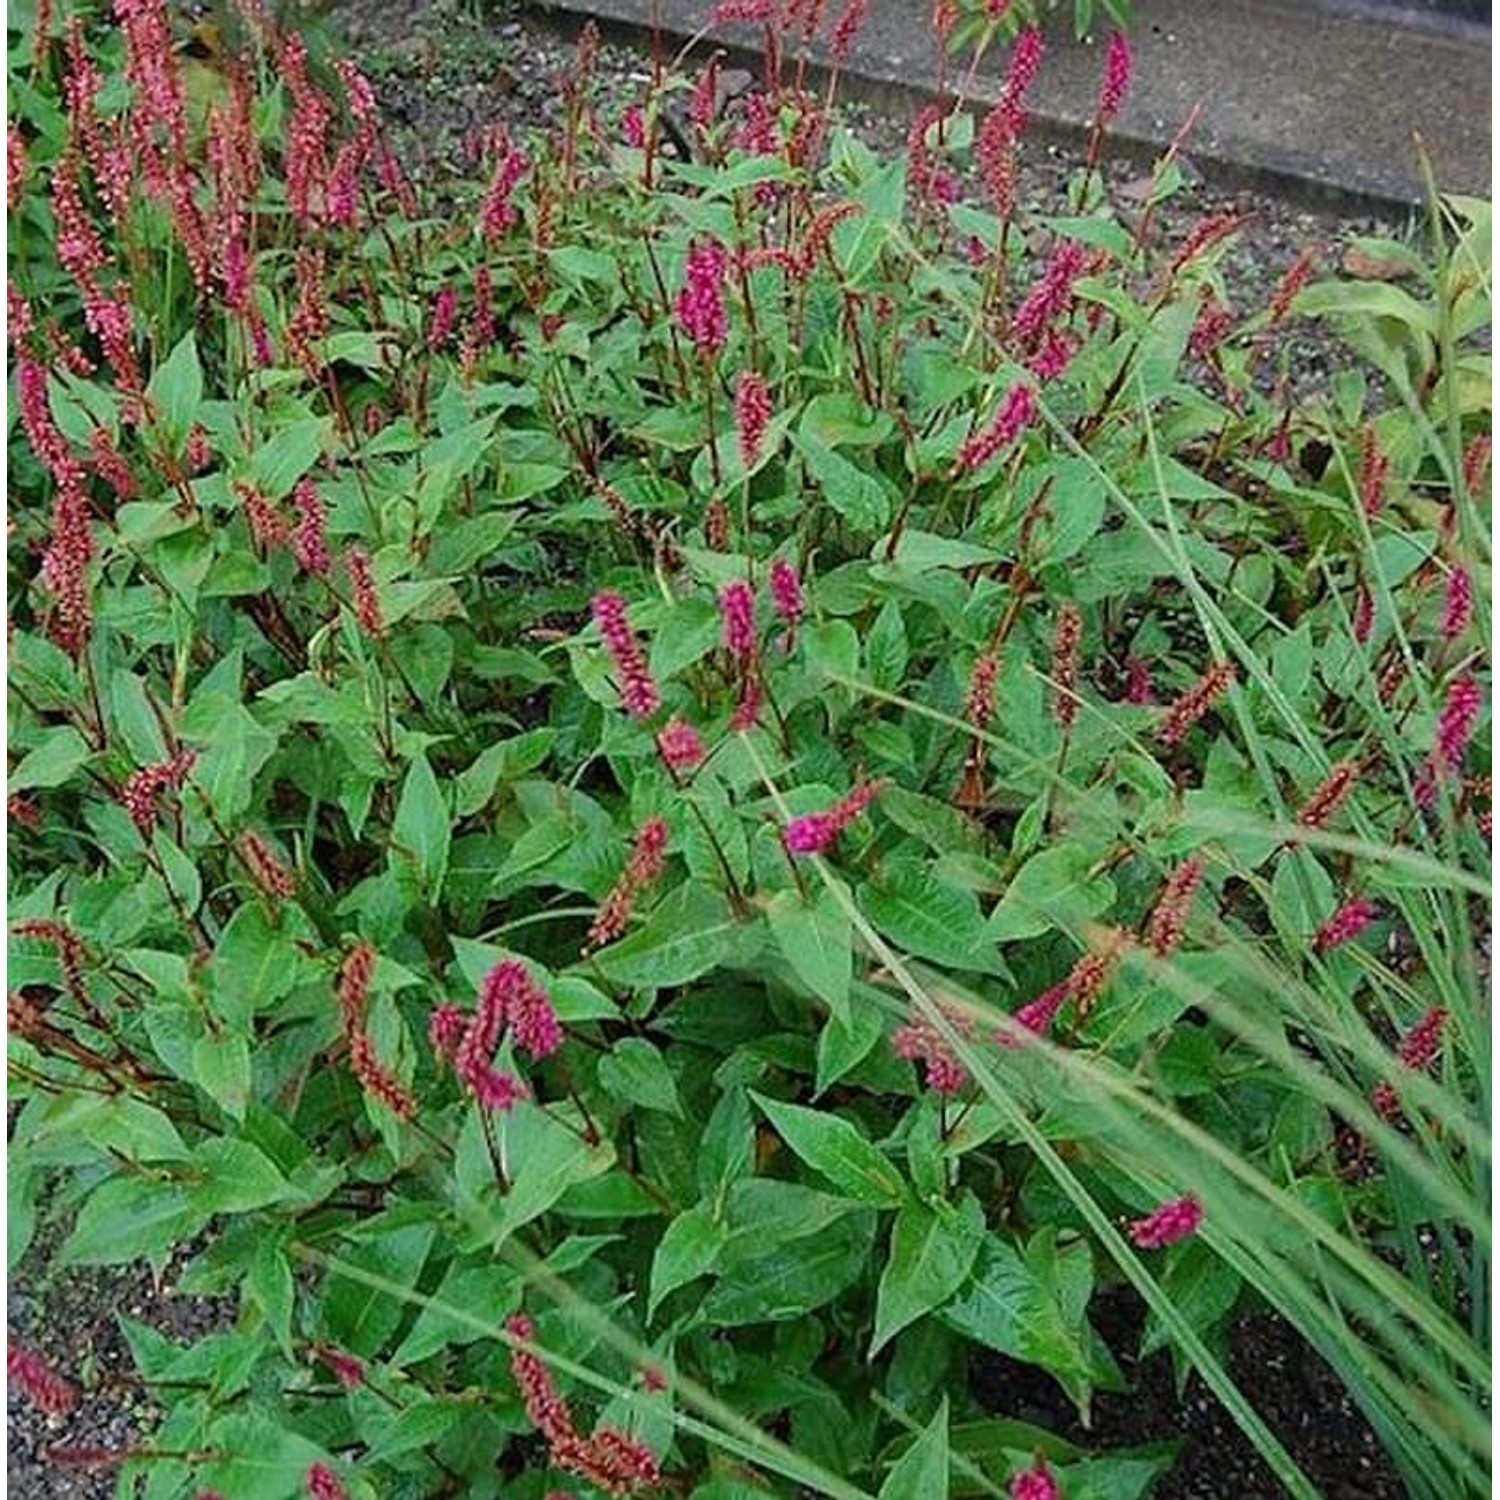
[{"x": 665, "y": 809}]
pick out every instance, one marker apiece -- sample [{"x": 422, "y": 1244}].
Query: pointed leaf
[
  {"x": 932, "y": 1251},
  {"x": 834, "y": 1149}
]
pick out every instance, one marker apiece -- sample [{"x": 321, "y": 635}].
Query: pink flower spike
[
  {"x": 496, "y": 1091},
  {"x": 445, "y": 1030},
  {"x": 1460, "y": 713},
  {"x": 786, "y": 591},
  {"x": 812, "y": 834},
  {"x": 681, "y": 746},
  {"x": 1116, "y": 83},
  {"x": 324, "y": 1484},
  {"x": 1458, "y": 603},
  {"x": 752, "y": 415},
  {"x": 1035, "y": 1018},
  {"x": 1168, "y": 1224},
  {"x": 737, "y": 602},
  {"x": 1035, "y": 1483},
  {"x": 638, "y": 690},
  {"x": 1346, "y": 924},
  {"x": 1419, "y": 1048},
  {"x": 347, "y": 1370}
]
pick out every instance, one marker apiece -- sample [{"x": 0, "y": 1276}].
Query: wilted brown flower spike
[
  {"x": 1065, "y": 664},
  {"x": 1169, "y": 918}
]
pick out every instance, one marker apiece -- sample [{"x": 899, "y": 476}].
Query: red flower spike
[
  {"x": 737, "y": 604},
  {"x": 752, "y": 415},
  {"x": 919, "y": 1041},
  {"x": 647, "y": 861},
  {"x": 269, "y": 873},
  {"x": 1346, "y": 924},
  {"x": 681, "y": 746},
  {"x": 1330, "y": 795},
  {"x": 1196, "y": 702},
  {"x": 366, "y": 598},
  {"x": 786, "y": 592},
  {"x": 638, "y": 690},
  {"x": 324, "y": 1484},
  {"x": 38, "y": 1381},
  {"x": 1456, "y": 721},
  {"x": 1374, "y": 472},
  {"x": 310, "y": 538},
  {"x": 545, "y": 1406},
  {"x": 1458, "y": 604},
  {"x": 1112, "y": 91},
  {"x": 700, "y": 304},
  {"x": 1168, "y": 920},
  {"x": 1168, "y": 1224},
  {"x": 1036, "y": 1483},
  {"x": 1035, "y": 1018}
]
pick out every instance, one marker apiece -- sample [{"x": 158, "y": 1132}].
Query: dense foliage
[{"x": 652, "y": 813}]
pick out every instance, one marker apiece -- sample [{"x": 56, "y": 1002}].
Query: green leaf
[
  {"x": 688, "y": 1249},
  {"x": 176, "y": 388},
  {"x": 1033, "y": 1308},
  {"x": 932, "y": 1251},
  {"x": 914, "y": 910},
  {"x": 1202, "y": 1288},
  {"x": 361, "y": 1318},
  {"x": 923, "y": 1469},
  {"x": 490, "y": 1291},
  {"x": 266, "y": 1459},
  {"x": 134, "y": 719},
  {"x": 52, "y": 762},
  {"x": 785, "y": 1281},
  {"x": 691, "y": 932},
  {"x": 726, "y": 1153},
  {"x": 1054, "y": 889},
  {"x": 858, "y": 496},
  {"x": 635, "y": 1071},
  {"x": 237, "y": 1177},
  {"x": 843, "y": 1045},
  {"x": 422, "y": 831},
  {"x": 423, "y": 1424},
  {"x": 291, "y": 450},
  {"x": 505, "y": 761},
  {"x": 814, "y": 939},
  {"x": 886, "y": 648},
  {"x": 834, "y": 1149},
  {"x": 547, "y": 1159},
  {"x": 269, "y": 1285},
  {"x": 254, "y": 965},
  {"x": 131, "y": 1218},
  {"x": 221, "y": 1068}
]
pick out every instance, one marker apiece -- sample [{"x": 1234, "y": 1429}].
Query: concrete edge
[{"x": 1289, "y": 175}]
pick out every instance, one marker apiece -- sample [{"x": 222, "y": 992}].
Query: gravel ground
[{"x": 443, "y": 71}]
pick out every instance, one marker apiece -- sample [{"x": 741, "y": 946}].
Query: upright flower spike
[
  {"x": 546, "y": 1408},
  {"x": 142, "y": 793},
  {"x": 1116, "y": 82},
  {"x": 647, "y": 860},
  {"x": 366, "y": 598},
  {"x": 1168, "y": 919},
  {"x": 1458, "y": 604},
  {"x": 752, "y": 415},
  {"x": 1168, "y": 1224},
  {"x": 737, "y": 605},
  {"x": 1374, "y": 474},
  {"x": 1035, "y": 1018},
  {"x": 1052, "y": 294},
  {"x": 1456, "y": 721},
  {"x": 638, "y": 690},
  {"x": 1065, "y": 665},
  {"x": 786, "y": 592},
  {"x": 309, "y": 540},
  {"x": 1476, "y": 464},
  {"x": 681, "y": 746},
  {"x": 1298, "y": 274},
  {"x": 700, "y": 304}
]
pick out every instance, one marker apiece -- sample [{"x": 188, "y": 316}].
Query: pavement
[{"x": 1322, "y": 103}]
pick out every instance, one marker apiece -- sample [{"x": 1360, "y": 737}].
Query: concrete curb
[{"x": 1340, "y": 162}]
